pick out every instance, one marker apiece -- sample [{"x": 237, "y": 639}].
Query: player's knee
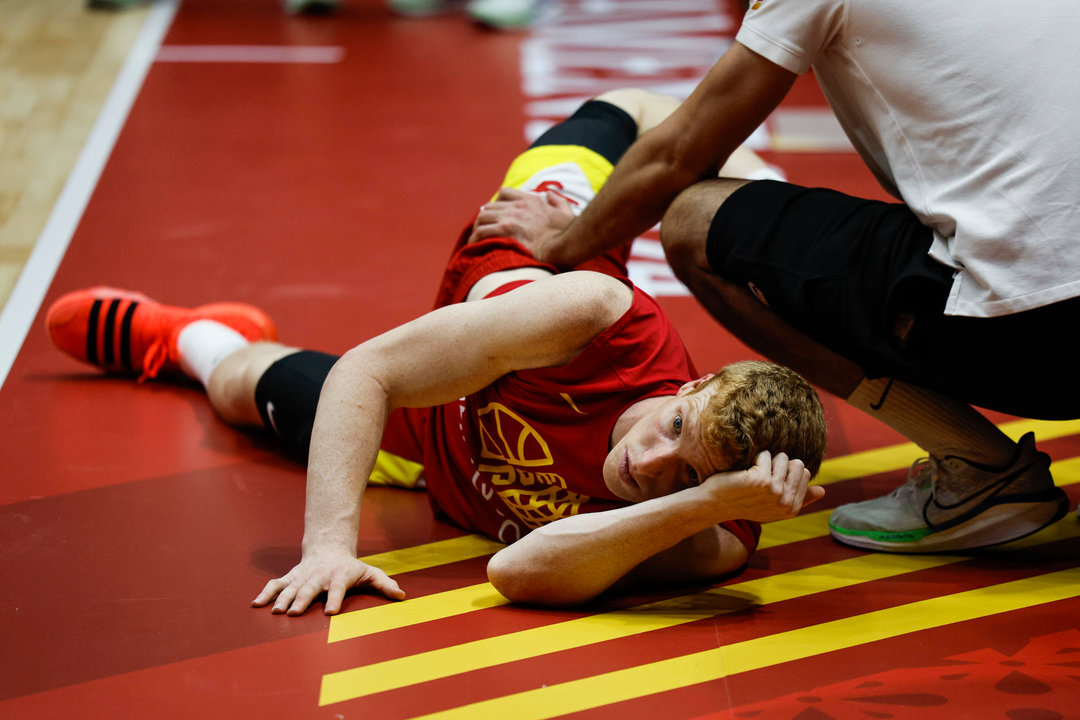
[
  {"x": 231, "y": 389},
  {"x": 685, "y": 228},
  {"x": 688, "y": 221}
]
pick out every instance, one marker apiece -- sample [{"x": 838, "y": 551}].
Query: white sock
[
  {"x": 938, "y": 424},
  {"x": 203, "y": 344}
]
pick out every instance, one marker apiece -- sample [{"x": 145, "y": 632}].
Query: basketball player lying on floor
[{"x": 559, "y": 413}]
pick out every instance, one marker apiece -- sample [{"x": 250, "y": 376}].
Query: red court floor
[{"x": 325, "y": 185}]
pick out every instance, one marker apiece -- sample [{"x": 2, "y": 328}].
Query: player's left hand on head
[
  {"x": 774, "y": 488},
  {"x": 330, "y": 571}
]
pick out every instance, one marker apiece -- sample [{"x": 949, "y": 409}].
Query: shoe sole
[{"x": 1000, "y": 523}]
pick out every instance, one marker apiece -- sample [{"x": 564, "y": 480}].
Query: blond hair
[{"x": 759, "y": 406}]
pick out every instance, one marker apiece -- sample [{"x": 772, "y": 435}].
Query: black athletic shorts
[{"x": 855, "y": 275}]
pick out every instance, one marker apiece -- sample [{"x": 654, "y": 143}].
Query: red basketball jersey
[{"x": 530, "y": 448}]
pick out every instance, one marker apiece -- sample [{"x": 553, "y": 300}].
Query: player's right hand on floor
[{"x": 332, "y": 570}]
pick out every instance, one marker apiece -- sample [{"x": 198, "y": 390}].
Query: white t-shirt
[{"x": 969, "y": 112}]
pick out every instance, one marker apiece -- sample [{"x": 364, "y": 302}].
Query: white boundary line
[{"x": 40, "y": 268}]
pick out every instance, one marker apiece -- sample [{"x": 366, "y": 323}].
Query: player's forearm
[
  {"x": 692, "y": 143},
  {"x": 649, "y": 176},
  {"x": 349, "y": 423},
  {"x": 575, "y": 559}
]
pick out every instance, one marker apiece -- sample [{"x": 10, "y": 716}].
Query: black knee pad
[{"x": 287, "y": 396}]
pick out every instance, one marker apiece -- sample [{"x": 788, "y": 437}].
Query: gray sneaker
[{"x": 955, "y": 504}]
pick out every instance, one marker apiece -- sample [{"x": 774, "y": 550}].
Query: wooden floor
[
  {"x": 58, "y": 62},
  {"x": 325, "y": 185}
]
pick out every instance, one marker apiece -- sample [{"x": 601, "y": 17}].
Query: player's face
[{"x": 662, "y": 453}]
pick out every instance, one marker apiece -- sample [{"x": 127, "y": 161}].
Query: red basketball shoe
[{"x": 120, "y": 330}]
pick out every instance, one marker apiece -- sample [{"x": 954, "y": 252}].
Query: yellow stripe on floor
[
  {"x": 444, "y": 662},
  {"x": 802, "y": 527},
  {"x": 429, "y": 607},
  {"x": 416, "y": 610},
  {"x": 433, "y": 554},
  {"x": 652, "y": 678}
]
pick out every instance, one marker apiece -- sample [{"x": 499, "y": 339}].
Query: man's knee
[{"x": 685, "y": 228}]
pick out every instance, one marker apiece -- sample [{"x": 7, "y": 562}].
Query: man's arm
[
  {"x": 692, "y": 143},
  {"x": 446, "y": 354},
  {"x": 667, "y": 540}
]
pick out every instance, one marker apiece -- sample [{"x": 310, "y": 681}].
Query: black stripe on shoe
[
  {"x": 110, "y": 332},
  {"x": 125, "y": 337},
  {"x": 91, "y": 333}
]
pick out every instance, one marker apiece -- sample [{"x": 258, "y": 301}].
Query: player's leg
[
  {"x": 123, "y": 331},
  {"x": 830, "y": 285},
  {"x": 250, "y": 380},
  {"x": 278, "y": 387},
  {"x": 573, "y": 159},
  {"x": 231, "y": 385},
  {"x": 225, "y": 346}
]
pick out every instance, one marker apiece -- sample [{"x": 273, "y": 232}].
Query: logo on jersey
[
  {"x": 514, "y": 463},
  {"x": 556, "y": 187}
]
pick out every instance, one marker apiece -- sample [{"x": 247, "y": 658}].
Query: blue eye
[{"x": 677, "y": 423}]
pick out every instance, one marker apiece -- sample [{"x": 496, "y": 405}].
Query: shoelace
[
  {"x": 154, "y": 359},
  {"x": 917, "y": 475}
]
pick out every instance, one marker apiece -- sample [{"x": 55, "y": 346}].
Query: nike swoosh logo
[
  {"x": 935, "y": 513},
  {"x": 272, "y": 417}
]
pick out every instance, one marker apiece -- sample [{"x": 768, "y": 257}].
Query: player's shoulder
[
  {"x": 588, "y": 286},
  {"x": 592, "y": 280},
  {"x": 579, "y": 299}
]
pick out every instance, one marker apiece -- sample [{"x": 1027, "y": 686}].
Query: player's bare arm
[
  {"x": 667, "y": 540},
  {"x": 541, "y": 324}
]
